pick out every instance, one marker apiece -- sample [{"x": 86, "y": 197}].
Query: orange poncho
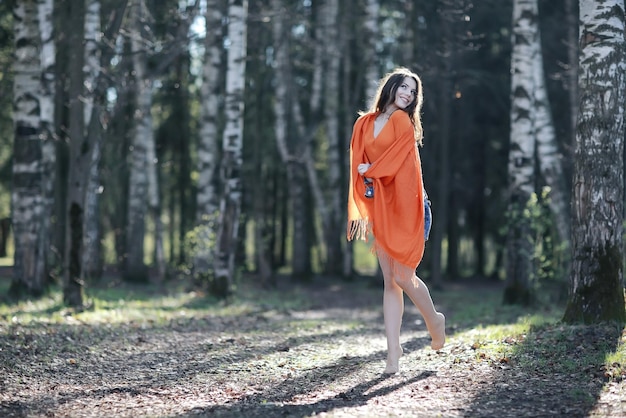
[{"x": 395, "y": 215}]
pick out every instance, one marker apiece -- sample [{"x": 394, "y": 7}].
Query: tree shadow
[
  {"x": 277, "y": 400},
  {"x": 556, "y": 371}
]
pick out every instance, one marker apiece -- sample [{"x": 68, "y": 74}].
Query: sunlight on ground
[{"x": 286, "y": 348}]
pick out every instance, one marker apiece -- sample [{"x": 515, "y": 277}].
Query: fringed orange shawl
[{"x": 395, "y": 215}]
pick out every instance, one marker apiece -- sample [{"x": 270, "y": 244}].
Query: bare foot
[
  {"x": 393, "y": 358},
  {"x": 438, "y": 333}
]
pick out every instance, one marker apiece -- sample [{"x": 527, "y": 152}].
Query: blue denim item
[
  {"x": 428, "y": 218},
  {"x": 369, "y": 188}
]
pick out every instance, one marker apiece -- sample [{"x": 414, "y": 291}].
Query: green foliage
[
  {"x": 199, "y": 244},
  {"x": 548, "y": 256}
]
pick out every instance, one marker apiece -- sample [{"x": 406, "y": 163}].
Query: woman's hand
[{"x": 363, "y": 167}]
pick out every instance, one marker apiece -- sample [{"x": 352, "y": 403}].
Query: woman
[{"x": 386, "y": 198}]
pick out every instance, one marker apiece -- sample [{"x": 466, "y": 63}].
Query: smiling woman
[{"x": 386, "y": 198}]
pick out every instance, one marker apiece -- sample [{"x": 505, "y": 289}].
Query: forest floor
[{"x": 301, "y": 350}]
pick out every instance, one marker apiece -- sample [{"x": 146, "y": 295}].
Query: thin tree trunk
[
  {"x": 332, "y": 225},
  {"x": 445, "y": 118},
  {"x": 348, "y": 121},
  {"x": 519, "y": 244},
  {"x": 27, "y": 196},
  {"x": 92, "y": 258},
  {"x": 134, "y": 267},
  {"x": 596, "y": 288},
  {"x": 80, "y": 158},
  {"x": 96, "y": 84},
  {"x": 47, "y": 123},
  {"x": 208, "y": 149},
  {"x": 296, "y": 176},
  {"x": 571, "y": 11},
  {"x": 232, "y": 146},
  {"x": 550, "y": 158}
]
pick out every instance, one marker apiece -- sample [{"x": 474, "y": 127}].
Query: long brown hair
[{"x": 386, "y": 95}]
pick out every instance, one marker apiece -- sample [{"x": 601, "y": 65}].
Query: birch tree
[
  {"x": 92, "y": 262},
  {"x": 208, "y": 144},
  {"x": 46, "y": 105},
  {"x": 32, "y": 168},
  {"x": 549, "y": 158},
  {"x": 549, "y": 155},
  {"x": 296, "y": 168},
  {"x": 522, "y": 151},
  {"x": 232, "y": 144},
  {"x": 596, "y": 286}
]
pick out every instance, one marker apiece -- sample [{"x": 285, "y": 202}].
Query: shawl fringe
[{"x": 358, "y": 229}]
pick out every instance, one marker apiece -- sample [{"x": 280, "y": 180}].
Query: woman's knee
[
  {"x": 403, "y": 281},
  {"x": 390, "y": 283}
]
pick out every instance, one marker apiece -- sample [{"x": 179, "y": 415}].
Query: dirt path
[{"x": 323, "y": 360}]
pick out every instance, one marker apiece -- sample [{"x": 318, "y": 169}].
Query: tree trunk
[
  {"x": 31, "y": 129},
  {"x": 47, "y": 113},
  {"x": 134, "y": 267},
  {"x": 296, "y": 176},
  {"x": 232, "y": 145},
  {"x": 80, "y": 158},
  {"x": 596, "y": 288},
  {"x": 208, "y": 150},
  {"x": 332, "y": 225},
  {"x": 550, "y": 158},
  {"x": 519, "y": 245},
  {"x": 445, "y": 121},
  {"x": 92, "y": 257},
  {"x": 572, "y": 61}
]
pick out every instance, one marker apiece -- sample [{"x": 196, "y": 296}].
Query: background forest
[{"x": 210, "y": 138}]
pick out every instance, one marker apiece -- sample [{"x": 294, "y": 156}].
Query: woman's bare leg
[
  {"x": 420, "y": 296},
  {"x": 393, "y": 308}
]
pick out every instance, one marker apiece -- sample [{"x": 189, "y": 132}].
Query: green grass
[{"x": 534, "y": 339}]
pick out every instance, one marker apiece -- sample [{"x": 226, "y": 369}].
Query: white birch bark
[
  {"x": 91, "y": 239},
  {"x": 596, "y": 287},
  {"x": 522, "y": 150},
  {"x": 27, "y": 198},
  {"x": 232, "y": 147},
  {"x": 208, "y": 143},
  {"x": 549, "y": 155},
  {"x": 46, "y": 108}
]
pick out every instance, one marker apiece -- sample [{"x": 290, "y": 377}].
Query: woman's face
[{"x": 405, "y": 95}]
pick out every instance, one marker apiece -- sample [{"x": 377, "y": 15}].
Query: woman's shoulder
[
  {"x": 400, "y": 116},
  {"x": 363, "y": 117},
  {"x": 401, "y": 119}
]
